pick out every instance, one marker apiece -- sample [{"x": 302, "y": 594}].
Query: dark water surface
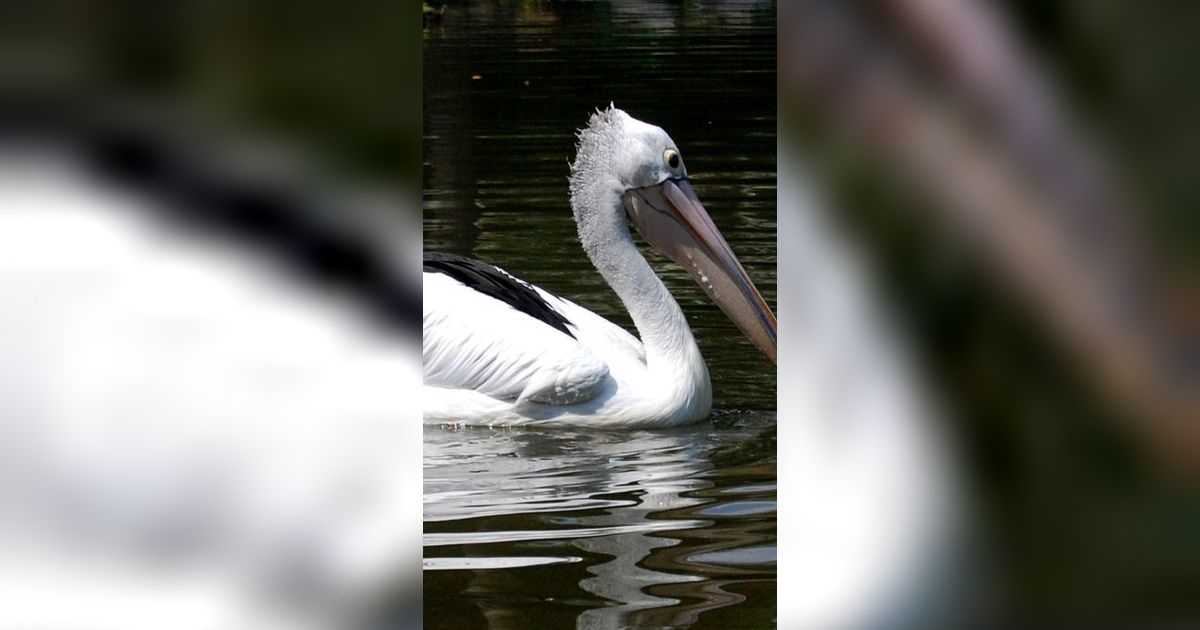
[
  {"x": 601, "y": 529},
  {"x": 583, "y": 528}
]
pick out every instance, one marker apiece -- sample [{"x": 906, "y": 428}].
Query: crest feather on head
[
  {"x": 603, "y": 115},
  {"x": 599, "y": 128}
]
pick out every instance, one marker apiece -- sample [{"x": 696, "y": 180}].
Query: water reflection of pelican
[
  {"x": 498, "y": 350},
  {"x": 611, "y": 508}
]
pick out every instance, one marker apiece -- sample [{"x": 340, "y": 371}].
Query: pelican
[
  {"x": 183, "y": 403},
  {"x": 498, "y": 350}
]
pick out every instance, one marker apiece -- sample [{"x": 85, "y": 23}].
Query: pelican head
[{"x": 626, "y": 170}]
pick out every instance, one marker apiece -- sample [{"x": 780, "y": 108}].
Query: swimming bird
[{"x": 498, "y": 350}]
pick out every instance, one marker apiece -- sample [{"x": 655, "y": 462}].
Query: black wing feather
[{"x": 490, "y": 281}]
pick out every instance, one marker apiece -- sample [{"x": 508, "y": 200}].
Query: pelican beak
[{"x": 672, "y": 219}]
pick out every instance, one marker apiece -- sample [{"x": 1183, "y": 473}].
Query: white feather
[
  {"x": 474, "y": 341},
  {"x": 157, "y": 389}
]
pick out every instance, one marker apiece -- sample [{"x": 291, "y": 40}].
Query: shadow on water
[{"x": 584, "y": 528}]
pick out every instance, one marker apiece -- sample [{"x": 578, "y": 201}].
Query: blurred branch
[{"x": 984, "y": 141}]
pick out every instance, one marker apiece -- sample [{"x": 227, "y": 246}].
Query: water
[
  {"x": 601, "y": 529},
  {"x": 587, "y": 528}
]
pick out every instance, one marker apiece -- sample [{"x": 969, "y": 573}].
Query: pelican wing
[
  {"x": 609, "y": 341},
  {"x": 472, "y": 340}
]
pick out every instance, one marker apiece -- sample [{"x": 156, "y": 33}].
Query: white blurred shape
[
  {"x": 867, "y": 514},
  {"x": 184, "y": 429}
]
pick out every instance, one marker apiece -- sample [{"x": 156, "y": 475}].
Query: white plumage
[
  {"x": 500, "y": 351},
  {"x": 508, "y": 355},
  {"x": 486, "y": 362},
  {"x": 184, "y": 432}
]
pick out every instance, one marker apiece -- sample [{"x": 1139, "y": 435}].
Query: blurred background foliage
[
  {"x": 1120, "y": 66},
  {"x": 338, "y": 80},
  {"x": 1087, "y": 521}
]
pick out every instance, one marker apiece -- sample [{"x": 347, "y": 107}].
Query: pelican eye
[{"x": 674, "y": 162}]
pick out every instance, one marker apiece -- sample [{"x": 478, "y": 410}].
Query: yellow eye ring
[{"x": 674, "y": 162}]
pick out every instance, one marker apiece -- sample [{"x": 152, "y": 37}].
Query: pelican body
[{"x": 498, "y": 350}]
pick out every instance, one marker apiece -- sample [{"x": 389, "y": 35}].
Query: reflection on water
[{"x": 599, "y": 529}]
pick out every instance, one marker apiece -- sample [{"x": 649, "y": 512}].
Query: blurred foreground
[
  {"x": 208, "y": 299},
  {"x": 200, "y": 427},
  {"x": 1013, "y": 176}
]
